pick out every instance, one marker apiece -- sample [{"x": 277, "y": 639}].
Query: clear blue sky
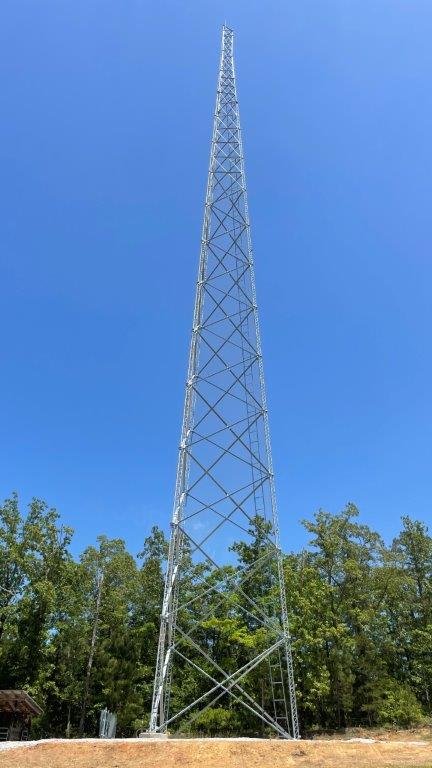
[{"x": 104, "y": 141}]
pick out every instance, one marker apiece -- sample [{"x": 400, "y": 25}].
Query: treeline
[{"x": 81, "y": 635}]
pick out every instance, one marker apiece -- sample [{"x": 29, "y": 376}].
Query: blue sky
[{"x": 104, "y": 143}]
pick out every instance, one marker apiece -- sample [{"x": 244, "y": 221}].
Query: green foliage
[
  {"x": 398, "y": 706},
  {"x": 81, "y": 634},
  {"x": 218, "y": 721}
]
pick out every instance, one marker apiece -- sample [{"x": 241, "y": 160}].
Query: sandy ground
[{"x": 217, "y": 753}]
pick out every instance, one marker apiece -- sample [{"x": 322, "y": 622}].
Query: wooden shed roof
[{"x": 18, "y": 701}]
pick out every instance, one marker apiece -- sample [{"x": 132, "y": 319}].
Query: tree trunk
[
  {"x": 90, "y": 657},
  {"x": 68, "y": 725}
]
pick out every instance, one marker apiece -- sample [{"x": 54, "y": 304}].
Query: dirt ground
[{"x": 218, "y": 753}]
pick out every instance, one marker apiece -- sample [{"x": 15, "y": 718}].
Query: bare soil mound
[{"x": 216, "y": 753}]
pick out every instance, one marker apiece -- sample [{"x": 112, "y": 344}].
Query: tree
[
  {"x": 81, "y": 634},
  {"x": 110, "y": 581},
  {"x": 34, "y": 559},
  {"x": 412, "y": 552},
  {"x": 345, "y": 554}
]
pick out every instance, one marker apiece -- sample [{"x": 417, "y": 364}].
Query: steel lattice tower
[{"x": 225, "y": 485}]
